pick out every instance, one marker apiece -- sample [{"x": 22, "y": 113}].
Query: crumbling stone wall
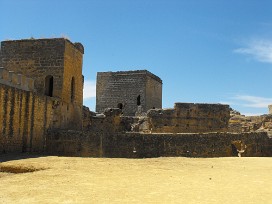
[
  {"x": 57, "y": 61},
  {"x": 107, "y": 122},
  {"x": 131, "y": 91},
  {"x": 139, "y": 145},
  {"x": 189, "y": 117},
  {"x": 242, "y": 123},
  {"x": 111, "y": 121}
]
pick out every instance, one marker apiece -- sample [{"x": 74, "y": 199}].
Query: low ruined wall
[
  {"x": 109, "y": 121},
  {"x": 189, "y": 118},
  {"x": 137, "y": 145},
  {"x": 74, "y": 143}
]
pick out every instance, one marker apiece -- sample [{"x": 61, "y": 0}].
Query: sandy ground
[{"x": 158, "y": 180}]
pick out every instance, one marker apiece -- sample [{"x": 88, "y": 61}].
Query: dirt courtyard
[{"x": 51, "y": 179}]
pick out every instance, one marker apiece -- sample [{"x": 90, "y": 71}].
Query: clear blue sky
[{"x": 211, "y": 51}]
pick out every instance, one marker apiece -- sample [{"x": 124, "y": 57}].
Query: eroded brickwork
[
  {"x": 131, "y": 91},
  {"x": 189, "y": 117}
]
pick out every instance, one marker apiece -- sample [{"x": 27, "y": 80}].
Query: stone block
[
  {"x": 14, "y": 79},
  {"x": 10, "y": 76},
  {"x": 30, "y": 83},
  {"x": 5, "y": 75}
]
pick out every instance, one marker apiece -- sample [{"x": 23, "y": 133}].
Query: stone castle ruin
[{"x": 41, "y": 110}]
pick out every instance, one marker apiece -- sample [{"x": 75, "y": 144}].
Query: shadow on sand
[{"x": 18, "y": 156}]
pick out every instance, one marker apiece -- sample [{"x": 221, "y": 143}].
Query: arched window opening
[
  {"x": 139, "y": 100},
  {"x": 120, "y": 106},
  {"x": 49, "y": 82},
  {"x": 72, "y": 89}
]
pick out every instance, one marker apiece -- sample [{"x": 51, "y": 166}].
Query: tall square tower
[
  {"x": 129, "y": 91},
  {"x": 56, "y": 67},
  {"x": 55, "y": 64}
]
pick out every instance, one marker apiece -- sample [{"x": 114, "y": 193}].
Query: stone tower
[
  {"x": 56, "y": 67},
  {"x": 131, "y": 91},
  {"x": 55, "y": 64}
]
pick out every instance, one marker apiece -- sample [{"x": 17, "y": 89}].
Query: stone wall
[
  {"x": 24, "y": 119},
  {"x": 153, "y": 93},
  {"x": 19, "y": 81},
  {"x": 107, "y": 122},
  {"x": 73, "y": 59},
  {"x": 189, "y": 117},
  {"x": 72, "y": 88},
  {"x": 132, "y": 91},
  {"x": 138, "y": 145},
  {"x": 36, "y": 59}
]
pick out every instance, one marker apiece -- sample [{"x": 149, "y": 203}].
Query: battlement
[
  {"x": 19, "y": 81},
  {"x": 131, "y": 72},
  {"x": 43, "y": 41}
]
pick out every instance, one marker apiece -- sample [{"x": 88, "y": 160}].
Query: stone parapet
[
  {"x": 132, "y": 72},
  {"x": 19, "y": 81}
]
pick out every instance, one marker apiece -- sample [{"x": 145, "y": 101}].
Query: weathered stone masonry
[
  {"x": 41, "y": 88},
  {"x": 24, "y": 119},
  {"x": 131, "y": 91},
  {"x": 189, "y": 117},
  {"x": 19, "y": 81},
  {"x": 139, "y": 145},
  {"x": 56, "y": 67}
]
